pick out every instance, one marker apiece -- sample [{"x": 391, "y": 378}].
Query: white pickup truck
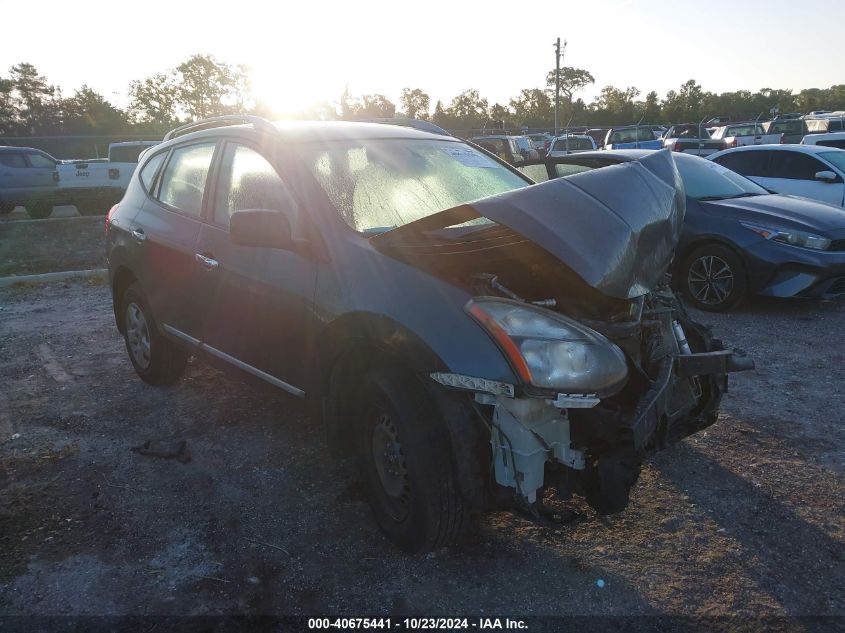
[
  {"x": 741, "y": 134},
  {"x": 94, "y": 185}
]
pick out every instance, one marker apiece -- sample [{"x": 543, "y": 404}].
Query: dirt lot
[
  {"x": 746, "y": 518},
  {"x": 41, "y": 246}
]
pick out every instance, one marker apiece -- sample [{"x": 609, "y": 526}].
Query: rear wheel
[
  {"x": 156, "y": 360},
  {"x": 714, "y": 278},
  {"x": 405, "y": 459}
]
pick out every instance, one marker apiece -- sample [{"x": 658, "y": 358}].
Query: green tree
[
  {"x": 651, "y": 107},
  {"x": 87, "y": 112},
  {"x": 376, "y": 107},
  {"x": 415, "y": 103},
  {"x": 154, "y": 99},
  {"x": 439, "y": 117},
  {"x": 468, "y": 110},
  {"x": 8, "y": 109},
  {"x": 500, "y": 116},
  {"x": 208, "y": 88},
  {"x": 686, "y": 104},
  {"x": 616, "y": 105},
  {"x": 532, "y": 108},
  {"x": 33, "y": 99},
  {"x": 571, "y": 81},
  {"x": 348, "y": 106}
]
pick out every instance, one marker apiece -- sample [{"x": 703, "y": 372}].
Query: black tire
[
  {"x": 39, "y": 210},
  {"x": 156, "y": 360},
  {"x": 6, "y": 208},
  {"x": 406, "y": 462},
  {"x": 713, "y": 278},
  {"x": 607, "y": 484}
]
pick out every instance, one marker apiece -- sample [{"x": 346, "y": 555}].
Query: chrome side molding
[{"x": 281, "y": 384}]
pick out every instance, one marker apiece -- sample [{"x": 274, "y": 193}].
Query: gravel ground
[{"x": 745, "y": 518}]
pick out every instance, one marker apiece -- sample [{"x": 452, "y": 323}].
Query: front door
[{"x": 256, "y": 300}]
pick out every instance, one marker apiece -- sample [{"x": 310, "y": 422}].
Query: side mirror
[
  {"x": 260, "y": 227},
  {"x": 826, "y": 176}
]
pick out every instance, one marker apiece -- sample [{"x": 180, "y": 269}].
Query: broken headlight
[{"x": 549, "y": 350}]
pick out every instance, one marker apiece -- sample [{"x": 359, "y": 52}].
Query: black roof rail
[{"x": 257, "y": 122}]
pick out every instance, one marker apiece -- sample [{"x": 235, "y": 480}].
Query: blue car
[
  {"x": 632, "y": 137},
  {"x": 737, "y": 238}
]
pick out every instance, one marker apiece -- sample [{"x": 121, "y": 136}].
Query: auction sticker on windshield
[{"x": 469, "y": 157}]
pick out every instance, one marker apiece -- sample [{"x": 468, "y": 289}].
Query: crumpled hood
[{"x": 615, "y": 227}]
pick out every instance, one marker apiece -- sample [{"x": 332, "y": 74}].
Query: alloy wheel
[{"x": 710, "y": 280}]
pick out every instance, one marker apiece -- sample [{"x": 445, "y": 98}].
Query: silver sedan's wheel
[
  {"x": 138, "y": 335},
  {"x": 711, "y": 280}
]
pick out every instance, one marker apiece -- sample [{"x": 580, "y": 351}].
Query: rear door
[
  {"x": 795, "y": 173},
  {"x": 166, "y": 231},
  {"x": 256, "y": 300}
]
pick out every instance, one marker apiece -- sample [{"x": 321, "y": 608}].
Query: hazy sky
[{"x": 308, "y": 50}]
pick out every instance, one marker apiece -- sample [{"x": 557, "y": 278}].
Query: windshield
[
  {"x": 378, "y": 185},
  {"x": 706, "y": 180},
  {"x": 837, "y": 159},
  {"x": 574, "y": 144}
]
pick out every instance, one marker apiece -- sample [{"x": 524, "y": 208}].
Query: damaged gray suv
[{"x": 472, "y": 339}]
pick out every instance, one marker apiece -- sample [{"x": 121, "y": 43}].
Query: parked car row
[{"x": 33, "y": 179}]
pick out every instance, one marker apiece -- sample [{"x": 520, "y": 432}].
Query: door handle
[
  {"x": 139, "y": 235},
  {"x": 207, "y": 262}
]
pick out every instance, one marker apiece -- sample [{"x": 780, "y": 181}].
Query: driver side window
[{"x": 249, "y": 181}]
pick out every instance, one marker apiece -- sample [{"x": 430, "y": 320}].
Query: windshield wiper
[{"x": 745, "y": 194}]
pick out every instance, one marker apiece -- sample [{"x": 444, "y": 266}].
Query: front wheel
[
  {"x": 156, "y": 360},
  {"x": 713, "y": 278},
  {"x": 405, "y": 459}
]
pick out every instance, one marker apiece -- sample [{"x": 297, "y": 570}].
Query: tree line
[{"x": 203, "y": 86}]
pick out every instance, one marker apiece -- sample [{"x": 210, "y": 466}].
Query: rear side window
[
  {"x": 750, "y": 163},
  {"x": 12, "y": 160},
  {"x": 563, "y": 169},
  {"x": 249, "y": 181},
  {"x": 537, "y": 173},
  {"x": 840, "y": 144},
  {"x": 184, "y": 178},
  {"x": 149, "y": 171},
  {"x": 41, "y": 162},
  {"x": 795, "y": 166}
]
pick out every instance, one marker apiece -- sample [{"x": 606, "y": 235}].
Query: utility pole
[{"x": 558, "y": 54}]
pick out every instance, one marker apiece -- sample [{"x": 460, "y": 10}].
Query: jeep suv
[{"x": 470, "y": 338}]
